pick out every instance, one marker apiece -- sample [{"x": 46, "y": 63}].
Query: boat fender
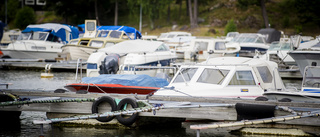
[
  {"x": 261, "y": 98},
  {"x": 59, "y": 90},
  {"x": 124, "y": 120},
  {"x": 82, "y": 92},
  {"x": 254, "y": 111},
  {"x": 104, "y": 99},
  {"x": 285, "y": 100},
  {"x": 110, "y": 64}
]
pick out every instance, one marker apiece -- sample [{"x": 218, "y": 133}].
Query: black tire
[
  {"x": 124, "y": 119},
  {"x": 81, "y": 92},
  {"x": 261, "y": 98},
  {"x": 59, "y": 90},
  {"x": 100, "y": 100},
  {"x": 285, "y": 100}
]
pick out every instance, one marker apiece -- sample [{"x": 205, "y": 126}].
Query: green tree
[
  {"x": 24, "y": 17},
  {"x": 230, "y": 27}
]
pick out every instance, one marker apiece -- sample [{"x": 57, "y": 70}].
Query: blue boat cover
[
  {"x": 126, "y": 29},
  {"x": 127, "y": 80},
  {"x": 55, "y": 29}
]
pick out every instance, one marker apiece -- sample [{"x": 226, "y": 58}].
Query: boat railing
[
  {"x": 133, "y": 69},
  {"x": 79, "y": 63}
]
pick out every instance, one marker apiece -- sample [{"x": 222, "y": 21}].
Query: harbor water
[{"x": 30, "y": 79}]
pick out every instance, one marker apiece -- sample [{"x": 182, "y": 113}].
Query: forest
[{"x": 202, "y": 17}]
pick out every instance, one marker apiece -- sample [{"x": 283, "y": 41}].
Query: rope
[{"x": 10, "y": 103}]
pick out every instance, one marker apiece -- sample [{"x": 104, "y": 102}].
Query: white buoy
[{"x": 47, "y": 73}]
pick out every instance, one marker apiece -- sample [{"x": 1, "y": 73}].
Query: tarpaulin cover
[
  {"x": 127, "y": 80},
  {"x": 55, "y": 29}
]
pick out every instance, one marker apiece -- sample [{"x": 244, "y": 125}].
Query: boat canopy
[
  {"x": 55, "y": 29},
  {"x": 127, "y": 80},
  {"x": 134, "y": 46},
  {"x": 271, "y": 34},
  {"x": 128, "y": 30}
]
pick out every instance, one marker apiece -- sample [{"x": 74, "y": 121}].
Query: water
[{"x": 30, "y": 79}]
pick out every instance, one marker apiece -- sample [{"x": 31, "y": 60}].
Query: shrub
[
  {"x": 24, "y": 17},
  {"x": 230, "y": 27}
]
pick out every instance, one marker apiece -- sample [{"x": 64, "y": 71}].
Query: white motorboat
[
  {"x": 310, "y": 88},
  {"x": 97, "y": 38},
  {"x": 225, "y": 77},
  {"x": 249, "y": 43},
  {"x": 308, "y": 54},
  {"x": 41, "y": 41},
  {"x": 165, "y": 37},
  {"x": 201, "y": 49},
  {"x": 231, "y": 35},
  {"x": 126, "y": 55}
]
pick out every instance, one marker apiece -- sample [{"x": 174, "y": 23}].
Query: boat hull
[
  {"x": 111, "y": 88},
  {"x": 74, "y": 52},
  {"x": 306, "y": 58}
]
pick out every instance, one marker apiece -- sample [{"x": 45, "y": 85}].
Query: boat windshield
[
  {"x": 185, "y": 75},
  {"x": 74, "y": 42},
  {"x": 242, "y": 78},
  {"x": 103, "y": 33},
  {"x": 274, "y": 46},
  {"x": 115, "y": 34},
  {"x": 96, "y": 43},
  {"x": 213, "y": 76},
  {"x": 163, "y": 35},
  {"x": 24, "y": 36},
  {"x": 246, "y": 39},
  {"x": 312, "y": 77}
]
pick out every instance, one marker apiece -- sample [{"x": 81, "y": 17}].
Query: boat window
[
  {"x": 200, "y": 46},
  {"x": 53, "y": 38},
  {"x": 265, "y": 74},
  {"x": 220, "y": 46},
  {"x": 115, "y": 34},
  {"x": 109, "y": 44},
  {"x": 131, "y": 35},
  {"x": 162, "y": 48},
  {"x": 91, "y": 66},
  {"x": 124, "y": 36},
  {"x": 185, "y": 75},
  {"x": 171, "y": 36},
  {"x": 91, "y": 26},
  {"x": 39, "y": 36},
  {"x": 96, "y": 43},
  {"x": 84, "y": 42},
  {"x": 213, "y": 76},
  {"x": 259, "y": 40},
  {"x": 13, "y": 37},
  {"x": 242, "y": 78},
  {"x": 163, "y": 35},
  {"x": 74, "y": 42},
  {"x": 103, "y": 33},
  {"x": 312, "y": 78},
  {"x": 24, "y": 36}
]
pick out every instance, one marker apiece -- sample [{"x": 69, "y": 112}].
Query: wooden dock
[{"x": 210, "y": 113}]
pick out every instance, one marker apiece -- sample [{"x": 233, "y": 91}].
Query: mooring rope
[{"x": 10, "y": 103}]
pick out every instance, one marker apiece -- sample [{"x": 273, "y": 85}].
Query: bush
[
  {"x": 24, "y": 17},
  {"x": 230, "y": 27}
]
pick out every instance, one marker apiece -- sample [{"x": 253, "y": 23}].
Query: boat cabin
[{"x": 226, "y": 77}]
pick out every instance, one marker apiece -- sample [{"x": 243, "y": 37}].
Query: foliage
[
  {"x": 230, "y": 27},
  {"x": 244, "y": 4},
  {"x": 24, "y": 17},
  {"x": 308, "y": 11},
  {"x": 11, "y": 10}
]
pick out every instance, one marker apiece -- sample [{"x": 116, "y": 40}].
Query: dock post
[
  {"x": 41, "y": 131},
  {"x": 198, "y": 132}
]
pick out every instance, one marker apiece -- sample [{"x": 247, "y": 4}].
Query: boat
[
  {"x": 231, "y": 35},
  {"x": 310, "y": 88},
  {"x": 118, "y": 84},
  {"x": 9, "y": 37},
  {"x": 224, "y": 77},
  {"x": 42, "y": 41},
  {"x": 150, "y": 37},
  {"x": 165, "y": 37},
  {"x": 97, "y": 38},
  {"x": 307, "y": 54},
  {"x": 249, "y": 43},
  {"x": 127, "y": 55},
  {"x": 201, "y": 49}
]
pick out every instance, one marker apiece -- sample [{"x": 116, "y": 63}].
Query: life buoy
[
  {"x": 104, "y": 99},
  {"x": 126, "y": 119}
]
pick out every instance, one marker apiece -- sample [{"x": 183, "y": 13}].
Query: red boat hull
[{"x": 111, "y": 88}]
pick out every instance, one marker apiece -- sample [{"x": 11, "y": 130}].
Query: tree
[
  {"x": 24, "y": 17},
  {"x": 230, "y": 27},
  {"x": 264, "y": 13}
]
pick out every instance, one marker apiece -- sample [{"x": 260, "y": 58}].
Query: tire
[
  {"x": 261, "y": 98},
  {"x": 81, "y": 92},
  {"x": 59, "y": 90},
  {"x": 104, "y": 99},
  {"x": 285, "y": 100},
  {"x": 125, "y": 120}
]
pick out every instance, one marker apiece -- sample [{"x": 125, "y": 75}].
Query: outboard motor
[{"x": 110, "y": 64}]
